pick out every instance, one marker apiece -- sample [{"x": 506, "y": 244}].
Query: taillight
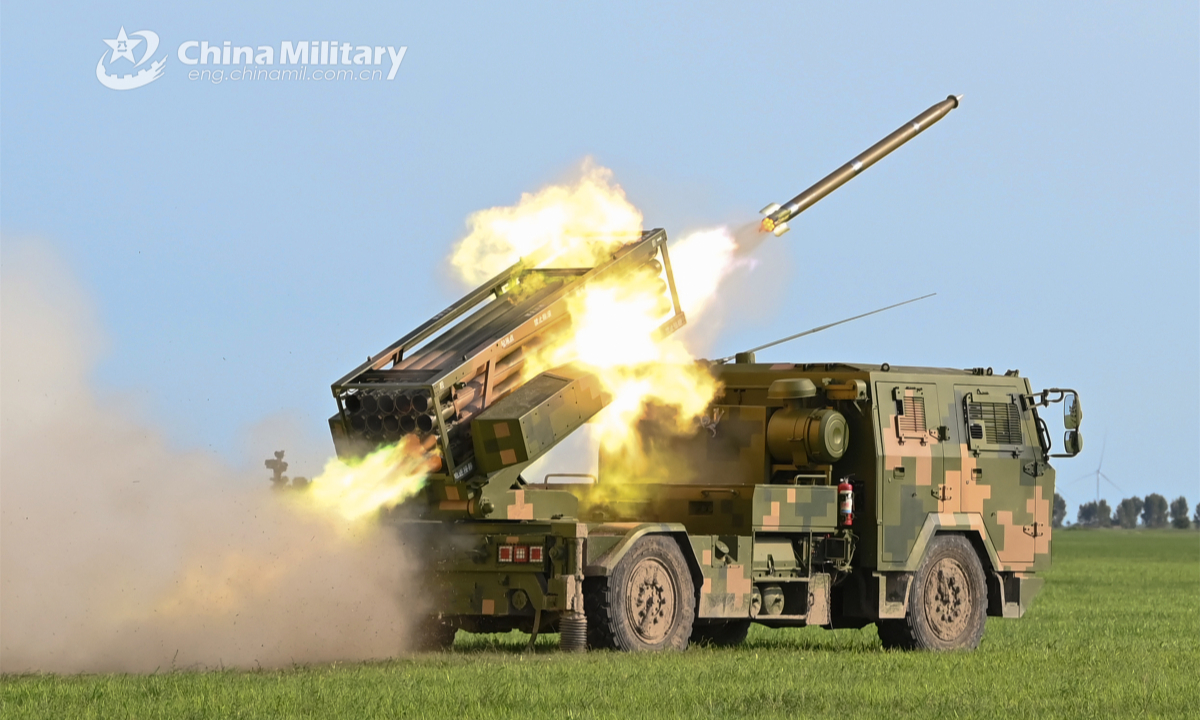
[{"x": 520, "y": 554}]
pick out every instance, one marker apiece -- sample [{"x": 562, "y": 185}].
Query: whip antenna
[{"x": 823, "y": 327}]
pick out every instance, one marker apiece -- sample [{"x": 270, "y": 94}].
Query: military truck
[{"x": 831, "y": 494}]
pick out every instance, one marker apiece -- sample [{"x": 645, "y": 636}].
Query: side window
[{"x": 993, "y": 419}]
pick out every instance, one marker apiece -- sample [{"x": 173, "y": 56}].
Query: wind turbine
[{"x": 1098, "y": 473}]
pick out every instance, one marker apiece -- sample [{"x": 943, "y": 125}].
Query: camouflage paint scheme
[{"x": 752, "y": 524}]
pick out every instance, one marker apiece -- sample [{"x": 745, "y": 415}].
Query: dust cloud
[{"x": 119, "y": 553}]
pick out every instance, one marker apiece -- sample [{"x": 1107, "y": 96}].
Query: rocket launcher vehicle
[
  {"x": 818, "y": 494},
  {"x": 460, "y": 383}
]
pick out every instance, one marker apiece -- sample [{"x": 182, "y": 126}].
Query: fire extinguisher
[{"x": 846, "y": 502}]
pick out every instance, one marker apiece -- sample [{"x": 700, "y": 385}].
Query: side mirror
[
  {"x": 1073, "y": 443},
  {"x": 1072, "y": 412}
]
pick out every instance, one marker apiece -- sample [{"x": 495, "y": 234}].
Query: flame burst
[
  {"x": 356, "y": 489},
  {"x": 611, "y": 332},
  {"x": 612, "y": 326},
  {"x": 579, "y": 222}
]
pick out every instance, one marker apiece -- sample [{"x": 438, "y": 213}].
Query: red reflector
[
  {"x": 506, "y": 553},
  {"x": 520, "y": 553},
  {"x": 535, "y": 554}
]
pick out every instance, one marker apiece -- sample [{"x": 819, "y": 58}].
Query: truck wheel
[
  {"x": 721, "y": 634},
  {"x": 433, "y": 635},
  {"x": 647, "y": 603},
  {"x": 948, "y": 604}
]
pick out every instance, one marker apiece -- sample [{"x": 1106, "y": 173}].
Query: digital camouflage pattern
[{"x": 930, "y": 452}]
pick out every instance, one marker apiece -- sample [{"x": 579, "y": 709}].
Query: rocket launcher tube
[
  {"x": 395, "y": 352},
  {"x": 777, "y": 216},
  {"x": 441, "y": 376}
]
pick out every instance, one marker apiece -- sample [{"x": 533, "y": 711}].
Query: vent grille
[
  {"x": 1001, "y": 422},
  {"x": 912, "y": 422}
]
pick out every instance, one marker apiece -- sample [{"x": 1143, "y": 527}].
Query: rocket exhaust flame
[
  {"x": 613, "y": 324},
  {"x": 611, "y": 327},
  {"x": 355, "y": 490},
  {"x": 577, "y": 223}
]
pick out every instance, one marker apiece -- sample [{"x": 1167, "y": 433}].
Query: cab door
[
  {"x": 913, "y": 477},
  {"x": 1002, "y": 479}
]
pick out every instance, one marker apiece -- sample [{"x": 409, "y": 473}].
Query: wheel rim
[
  {"x": 948, "y": 600},
  {"x": 650, "y": 600}
]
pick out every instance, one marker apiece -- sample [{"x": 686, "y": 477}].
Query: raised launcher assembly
[{"x": 468, "y": 386}]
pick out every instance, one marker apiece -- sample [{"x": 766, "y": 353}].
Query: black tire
[
  {"x": 647, "y": 603},
  {"x": 947, "y": 605},
  {"x": 433, "y": 635},
  {"x": 729, "y": 633}
]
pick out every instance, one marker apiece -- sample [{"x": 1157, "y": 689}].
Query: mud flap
[
  {"x": 818, "y": 600},
  {"x": 893, "y": 589}
]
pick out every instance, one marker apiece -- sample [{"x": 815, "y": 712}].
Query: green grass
[{"x": 1116, "y": 631}]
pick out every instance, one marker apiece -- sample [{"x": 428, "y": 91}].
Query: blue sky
[{"x": 248, "y": 243}]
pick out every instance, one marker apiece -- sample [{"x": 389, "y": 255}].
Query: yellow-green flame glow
[{"x": 357, "y": 489}]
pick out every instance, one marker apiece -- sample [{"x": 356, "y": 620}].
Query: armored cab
[{"x": 923, "y": 454}]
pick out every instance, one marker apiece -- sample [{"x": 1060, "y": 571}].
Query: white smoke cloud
[{"x": 118, "y": 553}]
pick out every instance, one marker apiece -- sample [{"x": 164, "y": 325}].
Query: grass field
[{"x": 1115, "y": 632}]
